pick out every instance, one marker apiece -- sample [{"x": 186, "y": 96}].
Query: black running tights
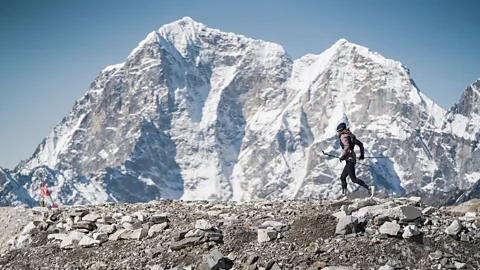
[{"x": 350, "y": 171}]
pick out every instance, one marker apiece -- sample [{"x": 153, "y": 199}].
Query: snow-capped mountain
[{"x": 196, "y": 113}]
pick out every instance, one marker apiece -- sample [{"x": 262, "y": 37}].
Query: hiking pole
[
  {"x": 376, "y": 157},
  {"x": 330, "y": 155}
]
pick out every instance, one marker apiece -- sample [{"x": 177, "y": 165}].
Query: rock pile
[{"x": 368, "y": 233}]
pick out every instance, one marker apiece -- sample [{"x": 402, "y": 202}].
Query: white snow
[
  {"x": 473, "y": 177},
  {"x": 113, "y": 67},
  {"x": 223, "y": 152}
]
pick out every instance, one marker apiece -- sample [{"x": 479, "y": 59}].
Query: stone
[
  {"x": 108, "y": 229},
  {"x": 88, "y": 242},
  {"x": 313, "y": 249},
  {"x": 158, "y": 218},
  {"x": 464, "y": 237},
  {"x": 77, "y": 219},
  {"x": 68, "y": 243},
  {"x": 24, "y": 240},
  {"x": 212, "y": 260},
  {"x": 340, "y": 214},
  {"x": 410, "y": 231},
  {"x": 266, "y": 235},
  {"x": 99, "y": 266},
  {"x": 117, "y": 216},
  {"x": 477, "y": 223},
  {"x": 147, "y": 225},
  {"x": 390, "y": 228},
  {"x": 40, "y": 210},
  {"x": 346, "y": 225},
  {"x": 275, "y": 225},
  {"x": 386, "y": 267},
  {"x": 379, "y": 220},
  {"x": 415, "y": 199},
  {"x": 459, "y": 265},
  {"x": 119, "y": 234},
  {"x": 91, "y": 217},
  {"x": 318, "y": 265},
  {"x": 203, "y": 224},
  {"x": 102, "y": 237},
  {"x": 157, "y": 267},
  {"x": 338, "y": 268},
  {"x": 454, "y": 228},
  {"x": 132, "y": 226},
  {"x": 128, "y": 219},
  {"x": 57, "y": 236},
  {"x": 368, "y": 212},
  {"x": 76, "y": 235},
  {"x": 195, "y": 232},
  {"x": 273, "y": 266},
  {"x": 154, "y": 252},
  {"x": 361, "y": 204},
  {"x": 408, "y": 213},
  {"x": 395, "y": 263},
  {"x": 78, "y": 212},
  {"x": 31, "y": 228},
  {"x": 83, "y": 224},
  {"x": 157, "y": 228},
  {"x": 139, "y": 234},
  {"x": 437, "y": 255},
  {"x": 43, "y": 226},
  {"x": 470, "y": 214},
  {"x": 185, "y": 242}
]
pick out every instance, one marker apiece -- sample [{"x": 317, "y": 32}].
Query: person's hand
[
  {"x": 342, "y": 158},
  {"x": 361, "y": 157}
]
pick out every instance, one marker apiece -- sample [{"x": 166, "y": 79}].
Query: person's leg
[
  {"x": 343, "y": 177},
  {"x": 351, "y": 172}
]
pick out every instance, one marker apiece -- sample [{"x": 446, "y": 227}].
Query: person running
[{"x": 348, "y": 142}]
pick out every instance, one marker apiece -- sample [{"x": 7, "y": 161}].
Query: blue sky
[{"x": 50, "y": 51}]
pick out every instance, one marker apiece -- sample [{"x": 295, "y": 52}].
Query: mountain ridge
[{"x": 197, "y": 113}]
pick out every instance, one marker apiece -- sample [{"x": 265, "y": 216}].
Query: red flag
[{"x": 45, "y": 192}]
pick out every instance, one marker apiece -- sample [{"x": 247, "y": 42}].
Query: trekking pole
[
  {"x": 376, "y": 157},
  {"x": 330, "y": 155}
]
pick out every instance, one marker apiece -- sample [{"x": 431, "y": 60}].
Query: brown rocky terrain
[{"x": 372, "y": 233}]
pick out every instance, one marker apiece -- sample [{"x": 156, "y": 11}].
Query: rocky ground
[{"x": 371, "y": 233}]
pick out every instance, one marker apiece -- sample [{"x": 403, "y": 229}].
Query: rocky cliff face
[{"x": 196, "y": 113}]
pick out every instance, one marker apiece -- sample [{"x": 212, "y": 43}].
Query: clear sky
[{"x": 50, "y": 51}]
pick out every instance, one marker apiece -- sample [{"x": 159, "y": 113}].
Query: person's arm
[{"x": 362, "y": 150}]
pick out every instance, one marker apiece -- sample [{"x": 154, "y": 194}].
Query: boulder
[
  {"x": 139, "y": 234},
  {"x": 119, "y": 234},
  {"x": 31, "y": 228},
  {"x": 390, "y": 228},
  {"x": 428, "y": 211},
  {"x": 454, "y": 228},
  {"x": 91, "y": 217},
  {"x": 185, "y": 242},
  {"x": 84, "y": 224},
  {"x": 76, "y": 235},
  {"x": 68, "y": 243},
  {"x": 157, "y": 228},
  {"x": 265, "y": 235},
  {"x": 158, "y": 218},
  {"x": 347, "y": 225},
  {"x": 203, "y": 224},
  {"x": 88, "y": 242},
  {"x": 410, "y": 231},
  {"x": 132, "y": 226},
  {"x": 102, "y": 237}
]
